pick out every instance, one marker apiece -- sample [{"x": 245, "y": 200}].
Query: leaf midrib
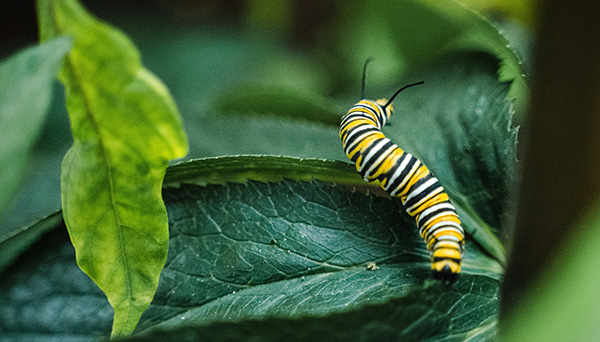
[{"x": 105, "y": 157}]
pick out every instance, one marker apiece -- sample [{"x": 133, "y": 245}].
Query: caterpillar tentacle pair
[{"x": 402, "y": 175}]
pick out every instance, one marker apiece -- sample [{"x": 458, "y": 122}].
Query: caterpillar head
[
  {"x": 388, "y": 109},
  {"x": 383, "y": 103},
  {"x": 386, "y": 105}
]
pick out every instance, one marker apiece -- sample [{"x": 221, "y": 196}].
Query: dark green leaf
[
  {"x": 11, "y": 246},
  {"x": 476, "y": 33},
  {"x": 292, "y": 249},
  {"x": 418, "y": 312},
  {"x": 26, "y": 83},
  {"x": 240, "y": 169},
  {"x": 458, "y": 123},
  {"x": 307, "y": 241},
  {"x": 46, "y": 297},
  {"x": 125, "y": 128},
  {"x": 462, "y": 131},
  {"x": 297, "y": 250}
]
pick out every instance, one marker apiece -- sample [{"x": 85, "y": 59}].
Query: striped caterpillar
[{"x": 402, "y": 175}]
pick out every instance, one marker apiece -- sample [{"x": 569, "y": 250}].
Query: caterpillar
[{"x": 402, "y": 175}]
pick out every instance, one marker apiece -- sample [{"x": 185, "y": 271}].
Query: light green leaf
[
  {"x": 125, "y": 128},
  {"x": 524, "y": 11},
  {"x": 26, "y": 81}
]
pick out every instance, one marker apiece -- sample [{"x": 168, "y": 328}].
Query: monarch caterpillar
[{"x": 402, "y": 175}]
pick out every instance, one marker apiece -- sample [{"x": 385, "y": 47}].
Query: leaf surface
[
  {"x": 466, "y": 138},
  {"x": 292, "y": 254}
]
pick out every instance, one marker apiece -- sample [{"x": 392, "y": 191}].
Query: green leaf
[
  {"x": 241, "y": 169},
  {"x": 45, "y": 295},
  {"x": 293, "y": 255},
  {"x": 465, "y": 137},
  {"x": 280, "y": 100},
  {"x": 464, "y": 134},
  {"x": 213, "y": 135},
  {"x": 478, "y": 34},
  {"x": 523, "y": 11},
  {"x": 39, "y": 192},
  {"x": 25, "y": 89},
  {"x": 19, "y": 240},
  {"x": 265, "y": 247},
  {"x": 125, "y": 128},
  {"x": 310, "y": 241},
  {"x": 404, "y": 309}
]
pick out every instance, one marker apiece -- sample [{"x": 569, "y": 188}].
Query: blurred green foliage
[
  {"x": 207, "y": 52},
  {"x": 564, "y": 304},
  {"x": 25, "y": 93}
]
